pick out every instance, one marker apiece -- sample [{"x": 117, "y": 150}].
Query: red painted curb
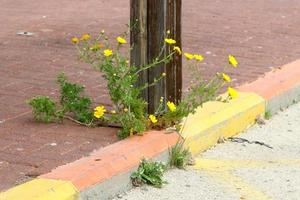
[
  {"x": 114, "y": 159},
  {"x": 275, "y": 82}
]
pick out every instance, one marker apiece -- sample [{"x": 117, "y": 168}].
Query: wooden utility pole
[{"x": 150, "y": 20}]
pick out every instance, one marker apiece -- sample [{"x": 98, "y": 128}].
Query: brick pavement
[{"x": 261, "y": 34}]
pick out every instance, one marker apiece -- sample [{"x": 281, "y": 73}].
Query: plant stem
[{"x": 78, "y": 122}]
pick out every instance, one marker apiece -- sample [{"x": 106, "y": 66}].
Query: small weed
[
  {"x": 72, "y": 100},
  {"x": 72, "y": 104},
  {"x": 268, "y": 114},
  {"x": 43, "y": 108},
  {"x": 149, "y": 172},
  {"x": 179, "y": 156}
]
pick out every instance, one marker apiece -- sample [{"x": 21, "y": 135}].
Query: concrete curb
[
  {"x": 106, "y": 172},
  {"x": 217, "y": 120},
  {"x": 280, "y": 88}
]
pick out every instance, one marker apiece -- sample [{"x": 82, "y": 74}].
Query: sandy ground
[{"x": 238, "y": 171}]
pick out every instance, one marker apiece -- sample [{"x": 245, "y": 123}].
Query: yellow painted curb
[
  {"x": 42, "y": 189},
  {"x": 215, "y": 120}
]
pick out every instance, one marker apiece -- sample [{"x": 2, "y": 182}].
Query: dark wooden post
[
  {"x": 151, "y": 19},
  {"x": 138, "y": 39},
  {"x": 174, "y": 68},
  {"x": 156, "y": 14}
]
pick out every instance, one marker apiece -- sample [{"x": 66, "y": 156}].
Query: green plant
[
  {"x": 199, "y": 92},
  {"x": 121, "y": 77},
  {"x": 43, "y": 108},
  {"x": 72, "y": 105},
  {"x": 149, "y": 172},
  {"x": 268, "y": 114},
  {"x": 128, "y": 108},
  {"x": 72, "y": 101},
  {"x": 179, "y": 156}
]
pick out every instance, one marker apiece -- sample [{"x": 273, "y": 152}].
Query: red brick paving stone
[
  {"x": 4, "y": 144},
  {"x": 262, "y": 35},
  {"x": 46, "y": 146},
  {"x": 12, "y": 174}
]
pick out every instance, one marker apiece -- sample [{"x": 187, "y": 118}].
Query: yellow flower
[
  {"x": 170, "y": 41},
  {"x": 85, "y": 37},
  {"x": 99, "y": 111},
  {"x": 198, "y": 57},
  {"x": 232, "y": 92},
  {"x": 125, "y": 109},
  {"x": 177, "y": 49},
  {"x": 121, "y": 40},
  {"x": 226, "y": 77},
  {"x": 232, "y": 61},
  {"x": 189, "y": 56},
  {"x": 75, "y": 40},
  {"x": 171, "y": 106},
  {"x": 161, "y": 99},
  {"x": 107, "y": 52},
  {"x": 153, "y": 119},
  {"x": 163, "y": 74}
]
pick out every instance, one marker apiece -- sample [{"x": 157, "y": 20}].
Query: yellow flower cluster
[
  {"x": 75, "y": 40},
  {"x": 170, "y": 41},
  {"x": 189, "y": 56},
  {"x": 171, "y": 106},
  {"x": 121, "y": 40},
  {"x": 198, "y": 57},
  {"x": 177, "y": 49},
  {"x": 232, "y": 61},
  {"x": 232, "y": 92},
  {"x": 85, "y": 37},
  {"x": 226, "y": 77},
  {"x": 99, "y": 111},
  {"x": 153, "y": 119},
  {"x": 107, "y": 52}
]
